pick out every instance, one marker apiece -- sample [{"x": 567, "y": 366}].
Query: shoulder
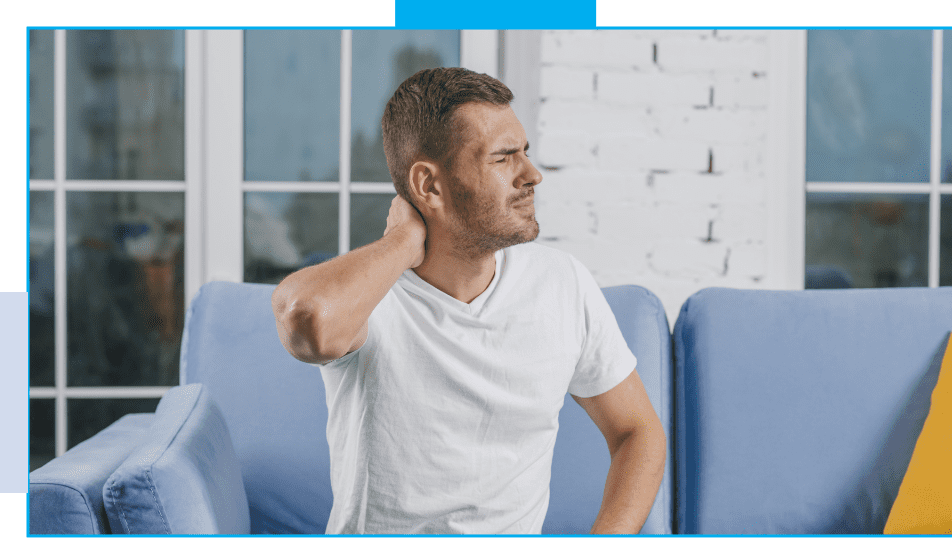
[
  {"x": 550, "y": 267},
  {"x": 535, "y": 254},
  {"x": 550, "y": 259}
]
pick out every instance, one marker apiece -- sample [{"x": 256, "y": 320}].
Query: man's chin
[
  {"x": 529, "y": 233},
  {"x": 533, "y": 230}
]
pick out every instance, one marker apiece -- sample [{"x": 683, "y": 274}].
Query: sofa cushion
[
  {"x": 66, "y": 493},
  {"x": 184, "y": 477},
  {"x": 924, "y": 503},
  {"x": 798, "y": 411}
]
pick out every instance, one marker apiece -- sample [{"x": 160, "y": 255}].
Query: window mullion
[
  {"x": 59, "y": 238},
  {"x": 343, "y": 228},
  {"x": 479, "y": 51},
  {"x": 194, "y": 163},
  {"x": 224, "y": 155},
  {"x": 935, "y": 159},
  {"x": 786, "y": 158}
]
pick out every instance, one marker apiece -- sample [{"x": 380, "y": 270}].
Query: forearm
[
  {"x": 320, "y": 310},
  {"x": 634, "y": 477}
]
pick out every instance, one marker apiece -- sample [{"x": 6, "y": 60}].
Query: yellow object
[{"x": 924, "y": 502}]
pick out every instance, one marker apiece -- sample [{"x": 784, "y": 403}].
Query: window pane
[
  {"x": 946, "y": 106},
  {"x": 89, "y": 417},
  {"x": 866, "y": 241},
  {"x": 945, "y": 242},
  {"x": 382, "y": 60},
  {"x": 868, "y": 105},
  {"x": 41, "y": 104},
  {"x": 292, "y": 105},
  {"x": 287, "y": 231},
  {"x": 125, "y": 294},
  {"x": 368, "y": 217},
  {"x": 125, "y": 105},
  {"x": 41, "y": 288},
  {"x": 42, "y": 437}
]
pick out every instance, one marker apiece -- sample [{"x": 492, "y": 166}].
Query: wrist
[{"x": 410, "y": 243}]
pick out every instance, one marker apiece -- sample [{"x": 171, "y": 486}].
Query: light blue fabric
[
  {"x": 66, "y": 493},
  {"x": 798, "y": 411},
  {"x": 184, "y": 477},
  {"x": 581, "y": 459}
]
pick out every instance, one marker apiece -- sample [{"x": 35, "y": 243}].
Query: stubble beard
[{"x": 483, "y": 228}]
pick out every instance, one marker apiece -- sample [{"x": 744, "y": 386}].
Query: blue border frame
[{"x": 429, "y": 15}]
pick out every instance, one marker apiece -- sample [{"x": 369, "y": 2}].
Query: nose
[{"x": 530, "y": 174}]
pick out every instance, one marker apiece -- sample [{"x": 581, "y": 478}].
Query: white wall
[{"x": 654, "y": 149}]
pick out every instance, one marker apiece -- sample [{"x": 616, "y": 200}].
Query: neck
[{"x": 460, "y": 275}]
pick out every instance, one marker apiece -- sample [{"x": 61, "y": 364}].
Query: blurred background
[{"x": 673, "y": 159}]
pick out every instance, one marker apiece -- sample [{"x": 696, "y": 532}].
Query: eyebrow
[{"x": 509, "y": 151}]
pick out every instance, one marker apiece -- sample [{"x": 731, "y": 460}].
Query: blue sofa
[{"x": 786, "y": 412}]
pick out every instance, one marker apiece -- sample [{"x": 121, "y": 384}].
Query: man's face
[{"x": 492, "y": 201}]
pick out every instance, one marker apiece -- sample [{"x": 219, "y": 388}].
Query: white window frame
[
  {"x": 213, "y": 185},
  {"x": 786, "y": 159},
  {"x": 191, "y": 187},
  {"x": 786, "y": 163}
]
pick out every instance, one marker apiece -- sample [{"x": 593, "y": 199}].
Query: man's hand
[{"x": 406, "y": 220}]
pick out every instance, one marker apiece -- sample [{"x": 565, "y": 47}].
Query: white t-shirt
[{"x": 444, "y": 421}]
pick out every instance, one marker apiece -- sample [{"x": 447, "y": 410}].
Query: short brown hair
[{"x": 419, "y": 121}]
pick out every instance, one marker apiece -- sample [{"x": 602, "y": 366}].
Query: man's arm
[
  {"x": 321, "y": 311},
  {"x": 636, "y": 442}
]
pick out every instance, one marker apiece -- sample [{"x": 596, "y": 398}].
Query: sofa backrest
[
  {"x": 797, "y": 411},
  {"x": 276, "y": 411},
  {"x": 273, "y": 405},
  {"x": 581, "y": 459}
]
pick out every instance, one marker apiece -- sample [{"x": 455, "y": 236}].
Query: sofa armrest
[
  {"x": 66, "y": 493},
  {"x": 184, "y": 477}
]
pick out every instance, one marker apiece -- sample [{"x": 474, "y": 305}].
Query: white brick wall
[{"x": 652, "y": 145}]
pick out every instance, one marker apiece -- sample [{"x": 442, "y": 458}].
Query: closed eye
[{"x": 506, "y": 152}]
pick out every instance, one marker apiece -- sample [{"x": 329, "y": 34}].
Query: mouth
[{"x": 526, "y": 200}]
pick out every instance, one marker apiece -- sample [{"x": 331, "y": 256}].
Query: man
[{"x": 447, "y": 346}]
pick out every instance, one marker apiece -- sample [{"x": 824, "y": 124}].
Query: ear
[{"x": 426, "y": 186}]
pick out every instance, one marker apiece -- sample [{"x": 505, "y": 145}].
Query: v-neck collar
[{"x": 474, "y": 306}]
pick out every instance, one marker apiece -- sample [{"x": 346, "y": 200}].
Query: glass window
[
  {"x": 869, "y": 145},
  {"x": 125, "y": 105},
  {"x": 42, "y": 340},
  {"x": 41, "y": 104},
  {"x": 869, "y": 95},
  {"x": 293, "y": 118},
  {"x": 42, "y": 436},
  {"x": 382, "y": 60},
  {"x": 89, "y": 417},
  {"x": 285, "y": 231},
  {"x": 292, "y": 105},
  {"x": 946, "y": 163},
  {"x": 124, "y": 267},
  {"x": 945, "y": 242},
  {"x": 368, "y": 217},
  {"x": 125, "y": 290},
  {"x": 867, "y": 241}
]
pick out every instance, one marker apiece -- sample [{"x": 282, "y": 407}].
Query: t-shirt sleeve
[{"x": 605, "y": 360}]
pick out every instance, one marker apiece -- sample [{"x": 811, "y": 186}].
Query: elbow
[
  {"x": 657, "y": 439},
  {"x": 658, "y": 447},
  {"x": 304, "y": 329},
  {"x": 650, "y": 441}
]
